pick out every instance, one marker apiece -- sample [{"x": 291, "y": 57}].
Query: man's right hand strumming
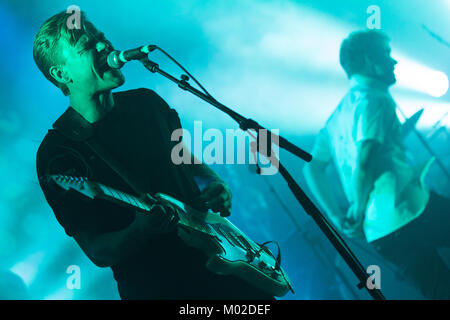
[{"x": 162, "y": 218}]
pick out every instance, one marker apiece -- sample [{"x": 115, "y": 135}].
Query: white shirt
[{"x": 367, "y": 112}]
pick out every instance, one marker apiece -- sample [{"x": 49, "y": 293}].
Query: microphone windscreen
[{"x": 113, "y": 60}]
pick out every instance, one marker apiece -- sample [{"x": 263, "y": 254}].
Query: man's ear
[
  {"x": 59, "y": 74},
  {"x": 374, "y": 68},
  {"x": 370, "y": 67},
  {"x": 368, "y": 63}
]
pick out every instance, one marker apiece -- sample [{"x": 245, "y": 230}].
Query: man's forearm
[
  {"x": 364, "y": 176},
  {"x": 113, "y": 247},
  {"x": 362, "y": 184},
  {"x": 316, "y": 179}
]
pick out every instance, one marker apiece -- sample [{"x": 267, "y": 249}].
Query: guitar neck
[{"x": 122, "y": 197}]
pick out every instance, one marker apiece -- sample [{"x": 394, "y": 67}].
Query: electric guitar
[{"x": 229, "y": 250}]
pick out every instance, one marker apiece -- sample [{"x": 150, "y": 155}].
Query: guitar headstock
[{"x": 79, "y": 184}]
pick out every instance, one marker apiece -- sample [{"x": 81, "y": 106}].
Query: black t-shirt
[{"x": 136, "y": 132}]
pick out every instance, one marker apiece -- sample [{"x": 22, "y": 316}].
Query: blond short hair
[{"x": 46, "y": 50}]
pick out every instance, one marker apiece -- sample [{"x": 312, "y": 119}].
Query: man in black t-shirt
[{"x": 133, "y": 127}]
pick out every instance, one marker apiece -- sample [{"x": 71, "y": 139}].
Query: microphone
[{"x": 116, "y": 59}]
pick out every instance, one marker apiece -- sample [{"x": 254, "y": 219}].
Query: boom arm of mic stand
[
  {"x": 244, "y": 123},
  {"x": 299, "y": 194}
]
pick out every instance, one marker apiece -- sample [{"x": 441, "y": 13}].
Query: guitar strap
[
  {"x": 115, "y": 166},
  {"x": 73, "y": 132}
]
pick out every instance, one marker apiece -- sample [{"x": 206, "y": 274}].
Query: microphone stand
[{"x": 249, "y": 124}]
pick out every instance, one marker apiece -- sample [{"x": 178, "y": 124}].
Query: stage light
[
  {"x": 434, "y": 111},
  {"x": 60, "y": 294},
  {"x": 28, "y": 267},
  {"x": 414, "y": 76},
  {"x": 300, "y": 41}
]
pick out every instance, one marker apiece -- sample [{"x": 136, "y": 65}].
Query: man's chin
[
  {"x": 388, "y": 80},
  {"x": 120, "y": 80},
  {"x": 392, "y": 81},
  {"x": 114, "y": 79}
]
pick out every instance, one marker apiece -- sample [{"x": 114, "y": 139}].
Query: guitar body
[{"x": 229, "y": 250}]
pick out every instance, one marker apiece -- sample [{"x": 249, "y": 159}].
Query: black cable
[
  {"x": 185, "y": 70},
  {"x": 277, "y": 260}
]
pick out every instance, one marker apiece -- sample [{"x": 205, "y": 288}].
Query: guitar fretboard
[
  {"x": 124, "y": 197},
  {"x": 211, "y": 229}
]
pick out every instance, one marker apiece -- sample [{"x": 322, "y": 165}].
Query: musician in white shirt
[{"x": 389, "y": 204}]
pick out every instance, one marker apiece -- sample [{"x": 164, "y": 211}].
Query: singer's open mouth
[{"x": 101, "y": 64}]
